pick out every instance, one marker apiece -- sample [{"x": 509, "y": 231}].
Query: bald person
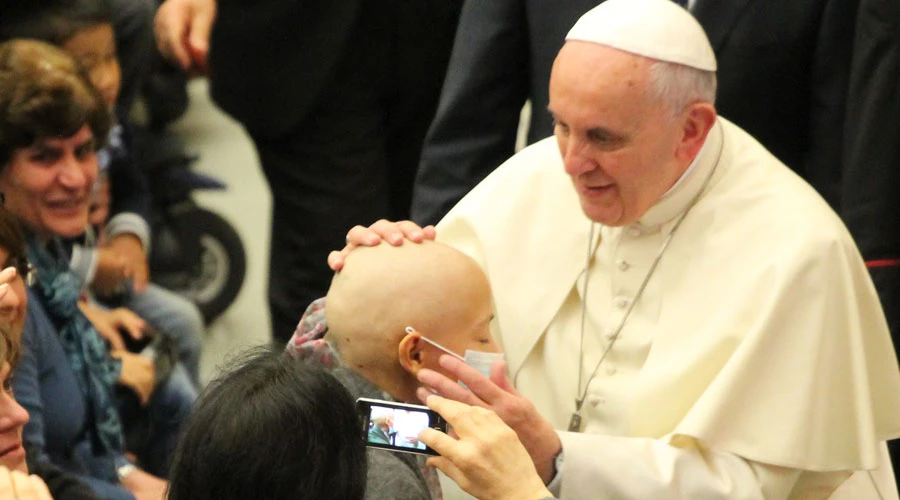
[
  {"x": 692, "y": 318},
  {"x": 391, "y": 312}
]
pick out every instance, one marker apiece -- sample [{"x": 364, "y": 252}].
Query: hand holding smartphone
[{"x": 395, "y": 426}]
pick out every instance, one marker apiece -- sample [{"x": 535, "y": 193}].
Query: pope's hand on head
[
  {"x": 497, "y": 394},
  {"x": 394, "y": 233},
  {"x": 486, "y": 459}
]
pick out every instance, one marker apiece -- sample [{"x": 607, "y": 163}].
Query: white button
[
  {"x": 623, "y": 266},
  {"x": 622, "y": 302},
  {"x": 595, "y": 401},
  {"x": 610, "y": 370},
  {"x": 634, "y": 230}
]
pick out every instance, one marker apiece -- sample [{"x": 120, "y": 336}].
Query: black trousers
[{"x": 353, "y": 158}]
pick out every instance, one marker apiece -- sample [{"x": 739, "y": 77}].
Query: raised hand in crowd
[{"x": 182, "y": 31}]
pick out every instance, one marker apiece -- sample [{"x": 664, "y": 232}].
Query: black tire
[{"x": 217, "y": 279}]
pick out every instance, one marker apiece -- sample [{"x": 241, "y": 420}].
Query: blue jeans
[
  {"x": 151, "y": 433},
  {"x": 176, "y": 317}
]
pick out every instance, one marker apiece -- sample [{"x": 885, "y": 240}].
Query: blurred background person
[
  {"x": 871, "y": 186},
  {"x": 336, "y": 97}
]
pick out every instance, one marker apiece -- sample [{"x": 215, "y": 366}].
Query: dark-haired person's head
[
  {"x": 52, "y": 120},
  {"x": 271, "y": 428}
]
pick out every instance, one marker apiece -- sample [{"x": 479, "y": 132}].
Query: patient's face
[{"x": 465, "y": 326}]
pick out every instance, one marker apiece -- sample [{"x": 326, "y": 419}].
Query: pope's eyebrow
[{"x": 604, "y": 135}]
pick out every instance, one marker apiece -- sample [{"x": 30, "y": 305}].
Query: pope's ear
[
  {"x": 409, "y": 351},
  {"x": 698, "y": 120}
]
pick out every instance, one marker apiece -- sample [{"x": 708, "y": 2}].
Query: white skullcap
[
  {"x": 380, "y": 413},
  {"x": 656, "y": 29}
]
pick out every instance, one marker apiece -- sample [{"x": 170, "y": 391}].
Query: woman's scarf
[{"x": 96, "y": 372}]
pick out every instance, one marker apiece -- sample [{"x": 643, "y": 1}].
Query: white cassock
[{"x": 756, "y": 364}]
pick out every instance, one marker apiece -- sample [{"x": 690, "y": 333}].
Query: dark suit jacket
[
  {"x": 783, "y": 69},
  {"x": 269, "y": 59},
  {"x": 871, "y": 187}
]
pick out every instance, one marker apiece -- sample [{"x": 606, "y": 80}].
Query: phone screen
[{"x": 396, "y": 426}]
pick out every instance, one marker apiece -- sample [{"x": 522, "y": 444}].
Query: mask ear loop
[{"x": 410, "y": 329}]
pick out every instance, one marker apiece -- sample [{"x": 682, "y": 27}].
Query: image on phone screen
[{"x": 396, "y": 426}]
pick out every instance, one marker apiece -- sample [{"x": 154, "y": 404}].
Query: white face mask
[{"x": 478, "y": 360}]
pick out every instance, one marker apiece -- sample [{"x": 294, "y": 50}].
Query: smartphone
[{"x": 396, "y": 426}]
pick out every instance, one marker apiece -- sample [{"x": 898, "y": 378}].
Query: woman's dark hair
[
  {"x": 273, "y": 428},
  {"x": 45, "y": 94},
  {"x": 52, "y": 21},
  {"x": 12, "y": 239}
]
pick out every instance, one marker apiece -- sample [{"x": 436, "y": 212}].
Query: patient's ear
[{"x": 409, "y": 351}]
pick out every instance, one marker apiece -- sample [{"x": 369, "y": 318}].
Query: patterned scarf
[
  {"x": 308, "y": 343},
  {"x": 96, "y": 371}
]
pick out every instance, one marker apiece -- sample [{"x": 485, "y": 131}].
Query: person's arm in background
[
  {"x": 127, "y": 230},
  {"x": 475, "y": 127},
  {"x": 182, "y": 30}
]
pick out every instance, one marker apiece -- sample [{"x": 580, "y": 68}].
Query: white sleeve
[{"x": 597, "y": 466}]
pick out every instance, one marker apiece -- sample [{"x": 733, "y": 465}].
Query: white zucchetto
[{"x": 656, "y": 29}]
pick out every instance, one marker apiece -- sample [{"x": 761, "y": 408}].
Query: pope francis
[{"x": 690, "y": 311}]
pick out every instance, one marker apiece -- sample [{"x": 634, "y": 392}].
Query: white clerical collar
[
  {"x": 677, "y": 198},
  {"x": 687, "y": 173}
]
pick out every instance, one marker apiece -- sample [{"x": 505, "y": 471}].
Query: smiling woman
[{"x": 52, "y": 120}]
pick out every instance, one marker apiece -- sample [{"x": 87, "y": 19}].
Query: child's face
[{"x": 95, "y": 48}]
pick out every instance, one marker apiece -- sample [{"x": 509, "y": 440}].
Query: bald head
[{"x": 434, "y": 288}]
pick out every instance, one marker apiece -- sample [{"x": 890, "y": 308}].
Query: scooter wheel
[{"x": 217, "y": 279}]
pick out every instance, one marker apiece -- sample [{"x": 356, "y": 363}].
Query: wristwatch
[{"x": 125, "y": 470}]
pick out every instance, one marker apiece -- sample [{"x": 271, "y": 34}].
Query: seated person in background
[
  {"x": 46, "y": 479},
  {"x": 53, "y": 120},
  {"x": 391, "y": 312},
  {"x": 271, "y": 428},
  {"x": 112, "y": 258}
]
